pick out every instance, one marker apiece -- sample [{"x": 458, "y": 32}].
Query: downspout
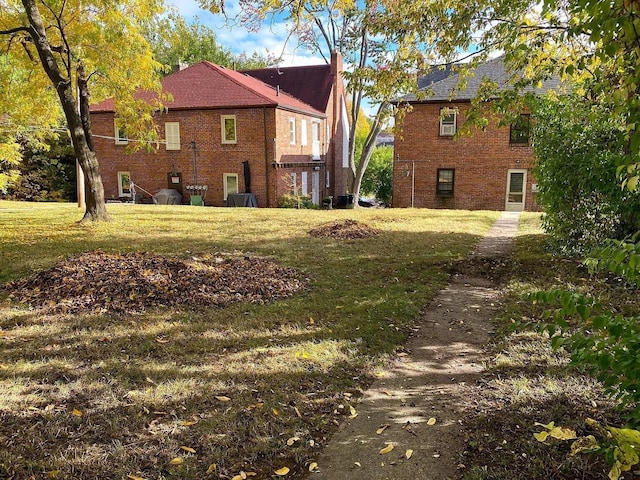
[
  {"x": 413, "y": 182},
  {"x": 266, "y": 154}
]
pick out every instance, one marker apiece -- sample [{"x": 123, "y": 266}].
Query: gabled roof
[
  {"x": 206, "y": 86},
  {"x": 311, "y": 84},
  {"x": 444, "y": 89}
]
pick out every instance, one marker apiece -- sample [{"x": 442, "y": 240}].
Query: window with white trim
[
  {"x": 292, "y": 131},
  {"x": 230, "y": 184},
  {"x": 172, "y": 135},
  {"x": 303, "y": 133},
  {"x": 304, "y": 183},
  {"x": 448, "y": 117},
  {"x": 124, "y": 184},
  {"x": 294, "y": 185},
  {"x": 120, "y": 134},
  {"x": 315, "y": 140},
  {"x": 228, "y": 127}
]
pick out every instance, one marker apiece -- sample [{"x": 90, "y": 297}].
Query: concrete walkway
[{"x": 429, "y": 384}]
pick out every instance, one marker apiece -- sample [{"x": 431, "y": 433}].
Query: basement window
[{"x": 444, "y": 186}]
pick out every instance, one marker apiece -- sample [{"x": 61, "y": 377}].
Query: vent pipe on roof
[{"x": 278, "y": 90}]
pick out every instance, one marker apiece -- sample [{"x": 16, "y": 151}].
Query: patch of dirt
[
  {"x": 98, "y": 282},
  {"x": 345, "y": 230}
]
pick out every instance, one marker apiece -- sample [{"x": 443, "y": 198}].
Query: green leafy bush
[
  {"x": 579, "y": 146},
  {"x": 296, "y": 201}
]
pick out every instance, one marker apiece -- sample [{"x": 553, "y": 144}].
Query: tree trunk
[
  {"x": 77, "y": 118},
  {"x": 367, "y": 150}
]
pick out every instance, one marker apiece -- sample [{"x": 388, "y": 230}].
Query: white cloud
[{"x": 269, "y": 39}]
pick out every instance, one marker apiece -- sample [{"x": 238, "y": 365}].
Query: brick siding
[{"x": 481, "y": 159}]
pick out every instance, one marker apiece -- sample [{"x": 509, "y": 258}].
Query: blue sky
[{"x": 269, "y": 39}]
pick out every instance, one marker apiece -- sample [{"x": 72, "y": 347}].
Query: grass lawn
[
  {"x": 528, "y": 382},
  {"x": 195, "y": 393}
]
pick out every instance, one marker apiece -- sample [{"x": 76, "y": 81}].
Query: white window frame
[
  {"x": 327, "y": 179},
  {"x": 172, "y": 135},
  {"x": 120, "y": 134},
  {"x": 303, "y": 133},
  {"x": 315, "y": 140},
  {"x": 293, "y": 179},
  {"x": 447, "y": 127},
  {"x": 225, "y": 177},
  {"x": 292, "y": 131},
  {"x": 223, "y": 131},
  {"x": 121, "y": 192},
  {"x": 304, "y": 183}
]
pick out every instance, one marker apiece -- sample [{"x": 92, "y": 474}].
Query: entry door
[
  {"x": 230, "y": 184},
  {"x": 315, "y": 187},
  {"x": 516, "y": 190}
]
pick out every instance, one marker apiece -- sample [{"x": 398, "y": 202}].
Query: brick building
[
  {"x": 489, "y": 169},
  {"x": 235, "y": 132}
]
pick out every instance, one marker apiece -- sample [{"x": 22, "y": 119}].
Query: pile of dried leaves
[
  {"x": 345, "y": 230},
  {"x": 98, "y": 282}
]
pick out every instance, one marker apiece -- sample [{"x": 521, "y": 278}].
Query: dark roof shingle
[
  {"x": 311, "y": 84},
  {"x": 447, "y": 88}
]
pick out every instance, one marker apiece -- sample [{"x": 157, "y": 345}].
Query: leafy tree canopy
[
  {"x": 64, "y": 52},
  {"x": 174, "y": 40}
]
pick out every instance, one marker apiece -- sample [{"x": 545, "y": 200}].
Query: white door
[
  {"x": 230, "y": 184},
  {"x": 516, "y": 190},
  {"x": 315, "y": 188}
]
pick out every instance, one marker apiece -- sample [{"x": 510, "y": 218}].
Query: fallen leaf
[
  {"x": 436, "y": 455},
  {"x": 387, "y": 392},
  {"x": 386, "y": 449},
  {"x": 353, "y": 412},
  {"x": 282, "y": 471},
  {"x": 134, "y": 477},
  {"x": 222, "y": 398},
  {"x": 77, "y": 412},
  {"x": 408, "y": 453},
  {"x": 162, "y": 340},
  {"x": 176, "y": 461},
  {"x": 237, "y": 477},
  {"x": 212, "y": 468},
  {"x": 382, "y": 428},
  {"x": 431, "y": 421},
  {"x": 188, "y": 449},
  {"x": 313, "y": 466},
  {"x": 357, "y": 464},
  {"x": 292, "y": 440},
  {"x": 541, "y": 436},
  {"x": 188, "y": 423},
  {"x": 297, "y": 412},
  {"x": 275, "y": 412},
  {"x": 562, "y": 433},
  {"x": 53, "y": 474}
]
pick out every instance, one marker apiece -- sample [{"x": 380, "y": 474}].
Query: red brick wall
[
  {"x": 213, "y": 158},
  {"x": 481, "y": 161}
]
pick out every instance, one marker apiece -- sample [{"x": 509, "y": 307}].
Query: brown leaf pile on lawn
[
  {"x": 345, "y": 230},
  {"x": 131, "y": 283}
]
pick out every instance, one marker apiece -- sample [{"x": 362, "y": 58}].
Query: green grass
[
  {"x": 104, "y": 397},
  {"x": 528, "y": 382}
]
